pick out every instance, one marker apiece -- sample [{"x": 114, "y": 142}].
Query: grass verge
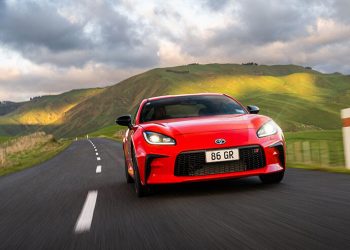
[
  {"x": 326, "y": 135},
  {"x": 341, "y": 170},
  {"x": 113, "y": 132},
  {"x": 32, "y": 157},
  {"x": 4, "y": 138}
]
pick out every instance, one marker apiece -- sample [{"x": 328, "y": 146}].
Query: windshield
[{"x": 189, "y": 106}]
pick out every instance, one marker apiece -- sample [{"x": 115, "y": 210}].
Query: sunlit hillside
[
  {"x": 46, "y": 111},
  {"x": 297, "y": 98}
]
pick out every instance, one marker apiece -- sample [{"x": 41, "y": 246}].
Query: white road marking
[
  {"x": 85, "y": 218},
  {"x": 95, "y": 149},
  {"x": 96, "y": 153},
  {"x": 92, "y": 143},
  {"x": 98, "y": 169},
  {"x": 98, "y": 158}
]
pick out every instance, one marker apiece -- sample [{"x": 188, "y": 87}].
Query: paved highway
[{"x": 76, "y": 201}]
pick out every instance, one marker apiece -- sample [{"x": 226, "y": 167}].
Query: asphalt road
[{"x": 40, "y": 208}]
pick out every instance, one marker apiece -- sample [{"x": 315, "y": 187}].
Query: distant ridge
[{"x": 8, "y": 107}]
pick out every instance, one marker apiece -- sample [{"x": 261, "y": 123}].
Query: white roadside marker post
[{"x": 345, "y": 115}]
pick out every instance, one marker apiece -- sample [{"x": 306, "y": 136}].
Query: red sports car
[{"x": 199, "y": 137}]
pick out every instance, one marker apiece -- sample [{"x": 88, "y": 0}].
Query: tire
[
  {"x": 272, "y": 178},
  {"x": 140, "y": 189},
  {"x": 128, "y": 178}
]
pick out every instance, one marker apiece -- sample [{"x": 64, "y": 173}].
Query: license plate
[{"x": 222, "y": 155}]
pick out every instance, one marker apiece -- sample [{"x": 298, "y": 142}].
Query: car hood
[{"x": 206, "y": 124}]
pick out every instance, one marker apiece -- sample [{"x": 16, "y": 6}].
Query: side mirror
[
  {"x": 124, "y": 120},
  {"x": 253, "y": 109}
]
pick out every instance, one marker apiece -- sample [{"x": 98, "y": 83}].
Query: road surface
[{"x": 76, "y": 201}]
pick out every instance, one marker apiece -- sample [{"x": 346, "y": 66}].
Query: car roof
[{"x": 169, "y": 96}]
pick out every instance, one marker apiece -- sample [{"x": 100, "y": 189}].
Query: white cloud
[
  {"x": 170, "y": 54},
  {"x": 50, "y": 47}
]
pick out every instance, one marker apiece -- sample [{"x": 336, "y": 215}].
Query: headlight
[
  {"x": 267, "y": 129},
  {"x": 158, "y": 139}
]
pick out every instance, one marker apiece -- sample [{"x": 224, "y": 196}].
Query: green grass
[
  {"x": 4, "y": 138},
  {"x": 114, "y": 132},
  {"x": 341, "y": 170},
  {"x": 35, "y": 156},
  {"x": 328, "y": 135}
]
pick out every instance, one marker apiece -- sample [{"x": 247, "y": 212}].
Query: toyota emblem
[{"x": 220, "y": 141}]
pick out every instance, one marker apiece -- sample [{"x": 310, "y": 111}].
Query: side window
[{"x": 147, "y": 112}]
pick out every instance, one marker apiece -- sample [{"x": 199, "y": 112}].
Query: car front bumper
[{"x": 157, "y": 163}]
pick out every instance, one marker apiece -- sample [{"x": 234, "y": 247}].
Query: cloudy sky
[{"x": 48, "y": 47}]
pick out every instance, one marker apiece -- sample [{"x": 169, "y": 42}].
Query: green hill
[
  {"x": 43, "y": 113},
  {"x": 297, "y": 98}
]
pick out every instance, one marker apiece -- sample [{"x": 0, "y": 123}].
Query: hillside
[
  {"x": 45, "y": 113},
  {"x": 297, "y": 98}
]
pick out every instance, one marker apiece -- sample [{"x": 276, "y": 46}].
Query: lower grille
[{"x": 193, "y": 163}]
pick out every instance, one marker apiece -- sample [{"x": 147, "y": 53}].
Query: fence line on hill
[{"x": 318, "y": 152}]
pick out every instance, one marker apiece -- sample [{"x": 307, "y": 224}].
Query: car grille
[{"x": 193, "y": 163}]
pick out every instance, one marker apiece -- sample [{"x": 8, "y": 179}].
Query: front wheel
[
  {"x": 140, "y": 189},
  {"x": 129, "y": 179},
  {"x": 272, "y": 178}
]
